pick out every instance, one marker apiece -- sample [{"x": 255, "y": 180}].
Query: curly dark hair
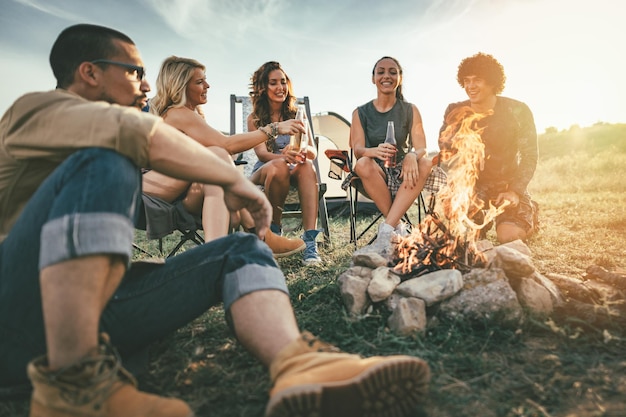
[
  {"x": 484, "y": 66},
  {"x": 258, "y": 93}
]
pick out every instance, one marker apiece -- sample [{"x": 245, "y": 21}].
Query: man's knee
[
  {"x": 249, "y": 247},
  {"x": 94, "y": 210},
  {"x": 243, "y": 262},
  {"x": 251, "y": 267},
  {"x": 508, "y": 232},
  {"x": 104, "y": 169},
  {"x": 105, "y": 158}
]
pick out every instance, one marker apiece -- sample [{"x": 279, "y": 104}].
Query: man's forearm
[{"x": 175, "y": 154}]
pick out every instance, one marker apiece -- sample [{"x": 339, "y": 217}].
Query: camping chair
[
  {"x": 186, "y": 225},
  {"x": 292, "y": 206},
  {"x": 337, "y": 128}
]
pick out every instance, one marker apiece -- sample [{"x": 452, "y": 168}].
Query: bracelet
[
  {"x": 415, "y": 153},
  {"x": 270, "y": 143},
  {"x": 267, "y": 133}
]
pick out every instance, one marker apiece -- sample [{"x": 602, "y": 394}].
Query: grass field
[{"x": 541, "y": 368}]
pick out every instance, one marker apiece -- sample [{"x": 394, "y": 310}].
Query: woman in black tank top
[{"x": 393, "y": 189}]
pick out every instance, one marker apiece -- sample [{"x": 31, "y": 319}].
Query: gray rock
[
  {"x": 382, "y": 284},
  {"x": 433, "y": 287},
  {"x": 353, "y": 289},
  {"x": 486, "y": 294},
  {"x": 369, "y": 259},
  {"x": 534, "y": 297},
  {"x": 514, "y": 263},
  {"x": 409, "y": 317}
]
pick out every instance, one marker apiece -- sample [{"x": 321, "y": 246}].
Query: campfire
[
  {"x": 443, "y": 269},
  {"x": 432, "y": 247},
  {"x": 433, "y": 244}
]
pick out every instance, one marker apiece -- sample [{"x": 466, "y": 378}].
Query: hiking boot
[
  {"x": 95, "y": 386},
  {"x": 383, "y": 244},
  {"x": 283, "y": 246},
  {"x": 310, "y": 255},
  {"x": 311, "y": 378}
]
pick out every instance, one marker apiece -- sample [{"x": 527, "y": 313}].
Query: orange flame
[{"x": 464, "y": 153}]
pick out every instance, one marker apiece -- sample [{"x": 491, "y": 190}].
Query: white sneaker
[
  {"x": 383, "y": 244},
  {"x": 402, "y": 229}
]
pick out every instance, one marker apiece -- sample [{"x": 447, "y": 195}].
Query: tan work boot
[
  {"x": 282, "y": 246},
  {"x": 96, "y": 386},
  {"x": 312, "y": 378}
]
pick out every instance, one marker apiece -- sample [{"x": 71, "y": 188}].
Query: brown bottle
[{"x": 390, "y": 162}]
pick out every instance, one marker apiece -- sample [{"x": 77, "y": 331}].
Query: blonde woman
[{"x": 181, "y": 91}]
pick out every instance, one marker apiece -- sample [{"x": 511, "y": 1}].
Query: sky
[{"x": 564, "y": 58}]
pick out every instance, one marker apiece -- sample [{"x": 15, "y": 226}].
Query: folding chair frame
[
  {"x": 186, "y": 236},
  {"x": 422, "y": 208}
]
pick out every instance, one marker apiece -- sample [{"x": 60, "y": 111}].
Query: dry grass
[{"x": 548, "y": 368}]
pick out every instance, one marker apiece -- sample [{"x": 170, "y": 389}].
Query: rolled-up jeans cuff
[
  {"x": 251, "y": 278},
  {"x": 82, "y": 234}
]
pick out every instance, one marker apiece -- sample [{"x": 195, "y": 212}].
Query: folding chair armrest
[{"x": 340, "y": 158}]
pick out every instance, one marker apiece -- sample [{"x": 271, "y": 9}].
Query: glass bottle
[
  {"x": 390, "y": 138},
  {"x": 302, "y": 141}
]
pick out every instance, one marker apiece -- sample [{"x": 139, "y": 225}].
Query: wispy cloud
[
  {"x": 50, "y": 9},
  {"x": 224, "y": 18}
]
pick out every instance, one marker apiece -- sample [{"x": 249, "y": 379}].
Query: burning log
[{"x": 430, "y": 248}]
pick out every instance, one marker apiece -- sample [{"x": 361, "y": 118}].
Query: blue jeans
[{"x": 87, "y": 206}]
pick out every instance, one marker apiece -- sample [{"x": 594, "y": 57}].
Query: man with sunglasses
[{"x": 69, "y": 188}]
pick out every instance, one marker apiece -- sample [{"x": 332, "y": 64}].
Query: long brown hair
[{"x": 258, "y": 92}]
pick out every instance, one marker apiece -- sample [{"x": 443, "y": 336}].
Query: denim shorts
[{"x": 87, "y": 206}]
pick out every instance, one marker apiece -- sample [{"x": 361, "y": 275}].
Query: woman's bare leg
[
  {"x": 374, "y": 183},
  {"x": 274, "y": 177},
  {"x": 305, "y": 178}
]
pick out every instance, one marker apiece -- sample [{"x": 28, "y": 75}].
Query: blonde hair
[{"x": 171, "y": 84}]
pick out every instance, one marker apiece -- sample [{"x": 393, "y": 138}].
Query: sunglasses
[{"x": 139, "y": 71}]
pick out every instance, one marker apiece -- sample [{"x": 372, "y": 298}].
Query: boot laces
[
  {"x": 317, "y": 345},
  {"x": 107, "y": 371}
]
